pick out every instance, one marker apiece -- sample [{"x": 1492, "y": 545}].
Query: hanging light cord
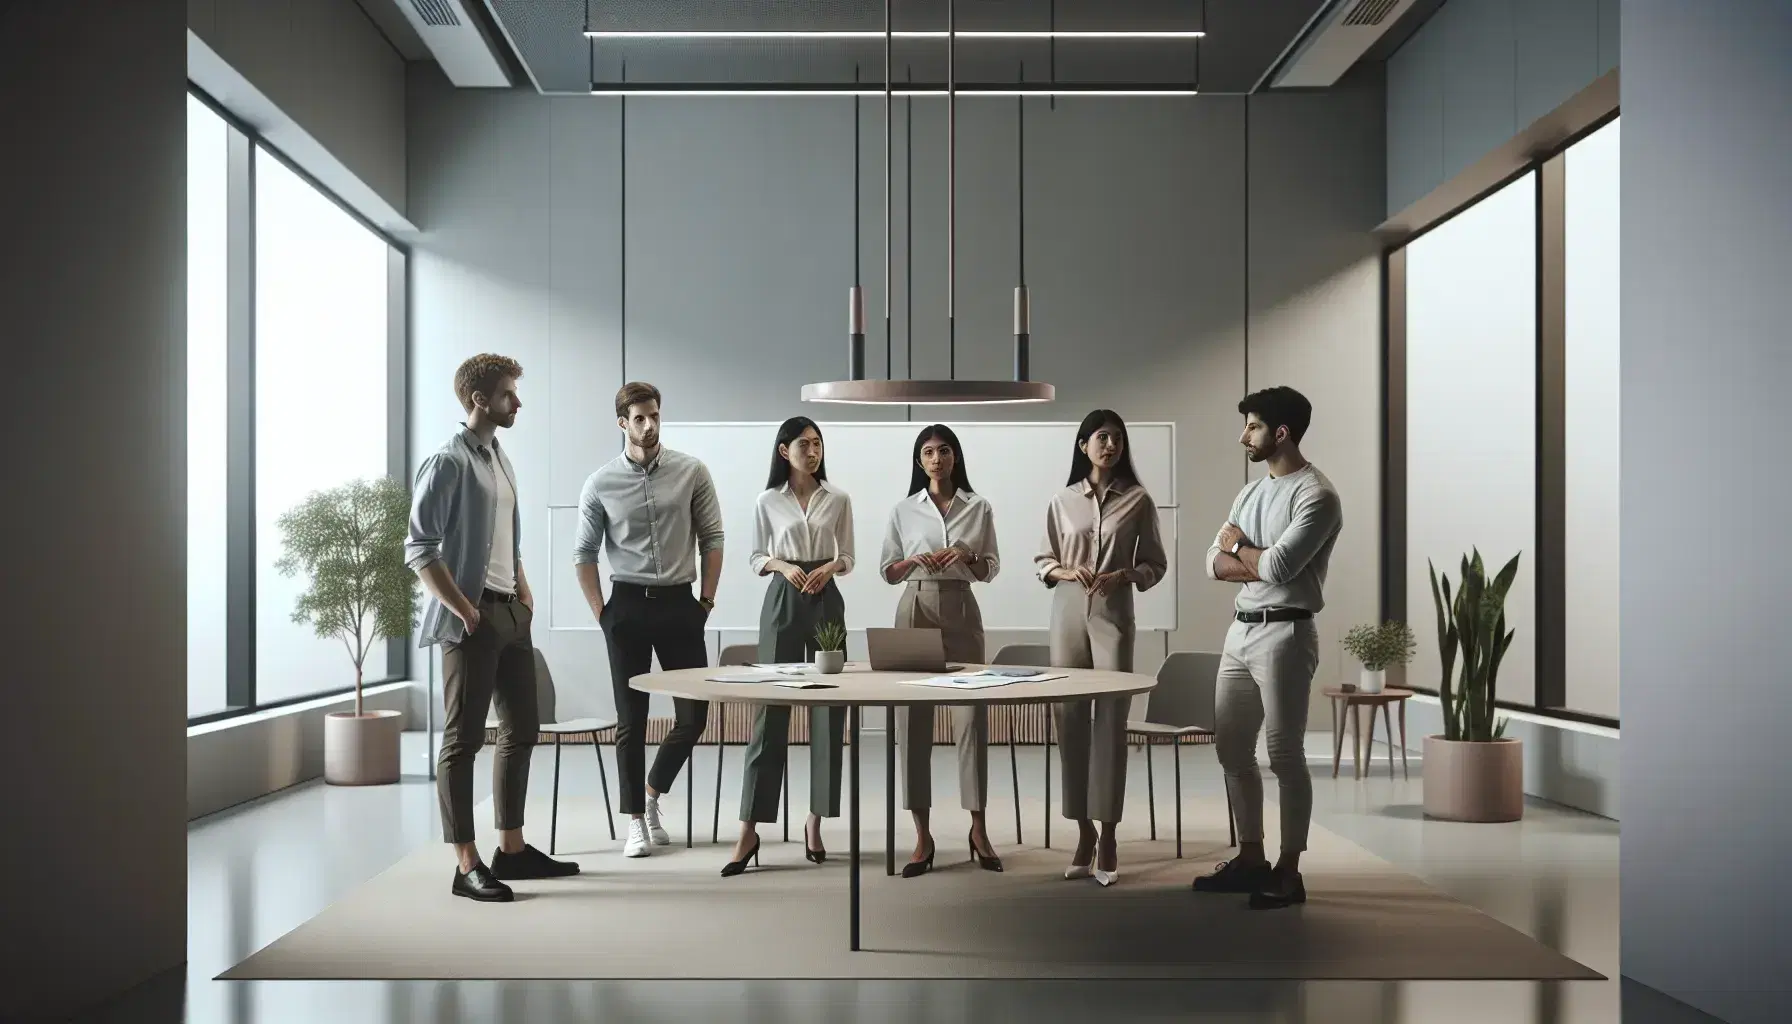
[{"x": 952, "y": 187}]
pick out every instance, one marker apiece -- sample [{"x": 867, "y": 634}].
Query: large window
[
  {"x": 291, "y": 344},
  {"x": 1503, "y": 428}
]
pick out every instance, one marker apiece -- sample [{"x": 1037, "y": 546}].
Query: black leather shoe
[
  {"x": 530, "y": 863},
  {"x": 1231, "y": 876},
  {"x": 1284, "y": 889},
  {"x": 479, "y": 884}
]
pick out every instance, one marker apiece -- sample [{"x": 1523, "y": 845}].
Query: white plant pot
[
  {"x": 362, "y": 750},
  {"x": 829, "y": 662},
  {"x": 1372, "y": 681}
]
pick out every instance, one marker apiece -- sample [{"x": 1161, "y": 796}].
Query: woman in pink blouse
[{"x": 1101, "y": 544}]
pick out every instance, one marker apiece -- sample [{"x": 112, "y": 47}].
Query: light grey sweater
[{"x": 1295, "y": 519}]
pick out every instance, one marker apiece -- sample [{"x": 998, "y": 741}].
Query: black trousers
[{"x": 638, "y": 623}]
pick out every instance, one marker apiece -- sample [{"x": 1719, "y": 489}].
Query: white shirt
[
  {"x": 500, "y": 568},
  {"x": 783, "y": 530},
  {"x": 918, "y": 528}
]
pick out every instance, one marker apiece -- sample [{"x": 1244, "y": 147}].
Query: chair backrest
[
  {"x": 1185, "y": 689},
  {"x": 740, "y": 654},
  {"x": 1025, "y": 656},
  {"x": 546, "y": 700}
]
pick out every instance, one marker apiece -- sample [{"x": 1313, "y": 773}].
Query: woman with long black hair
[
  {"x": 942, "y": 539},
  {"x": 1102, "y": 543},
  {"x": 803, "y": 538}
]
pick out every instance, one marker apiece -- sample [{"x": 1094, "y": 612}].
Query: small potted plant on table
[
  {"x": 830, "y": 648},
  {"x": 350, "y": 543},
  {"x": 1377, "y": 647}
]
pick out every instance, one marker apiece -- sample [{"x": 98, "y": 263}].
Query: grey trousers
[
  {"x": 948, "y": 606},
  {"x": 787, "y": 624},
  {"x": 1092, "y": 632},
  {"x": 496, "y": 663},
  {"x": 1265, "y": 677}
]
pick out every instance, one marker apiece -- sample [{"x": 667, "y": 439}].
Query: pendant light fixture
[{"x": 858, "y": 390}]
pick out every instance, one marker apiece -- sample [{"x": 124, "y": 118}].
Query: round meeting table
[{"x": 858, "y": 685}]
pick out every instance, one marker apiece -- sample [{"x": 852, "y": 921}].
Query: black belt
[
  {"x": 1275, "y": 615},
  {"x": 651, "y": 593},
  {"x": 496, "y": 596}
]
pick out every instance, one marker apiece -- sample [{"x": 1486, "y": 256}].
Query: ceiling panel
[{"x": 1244, "y": 38}]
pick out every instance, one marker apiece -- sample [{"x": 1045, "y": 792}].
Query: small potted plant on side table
[
  {"x": 830, "y": 648},
  {"x": 1377, "y": 647},
  {"x": 350, "y": 542}
]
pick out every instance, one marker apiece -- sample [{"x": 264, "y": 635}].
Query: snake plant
[{"x": 1474, "y": 622}]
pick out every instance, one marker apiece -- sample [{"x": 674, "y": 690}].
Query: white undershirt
[{"x": 500, "y": 567}]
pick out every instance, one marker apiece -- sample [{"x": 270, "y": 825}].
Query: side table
[{"x": 1350, "y": 704}]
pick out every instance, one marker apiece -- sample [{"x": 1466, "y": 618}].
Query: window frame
[{"x": 240, "y": 414}]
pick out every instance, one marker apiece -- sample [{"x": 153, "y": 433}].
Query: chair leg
[
  {"x": 554, "y": 815},
  {"x": 715, "y": 820},
  {"x": 603, "y": 781},
  {"x": 1048, "y": 776},
  {"x": 1231, "y": 819},
  {"x": 1150, "y": 791},
  {"x": 784, "y": 815},
  {"x": 1177, "y": 748},
  {"x": 690, "y": 799}
]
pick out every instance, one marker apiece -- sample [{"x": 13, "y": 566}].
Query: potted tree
[
  {"x": 1377, "y": 647},
  {"x": 349, "y": 542},
  {"x": 830, "y": 648},
  {"x": 1473, "y": 772}
]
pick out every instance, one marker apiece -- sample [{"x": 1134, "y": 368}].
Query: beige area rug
[{"x": 673, "y": 916}]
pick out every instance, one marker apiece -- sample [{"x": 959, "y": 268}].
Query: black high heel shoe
[
  {"x": 812, "y": 856},
  {"x": 977, "y": 857},
  {"x": 735, "y": 867},
  {"x": 915, "y": 869}
]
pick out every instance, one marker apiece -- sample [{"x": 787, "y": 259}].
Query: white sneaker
[
  {"x": 637, "y": 844},
  {"x": 655, "y": 829}
]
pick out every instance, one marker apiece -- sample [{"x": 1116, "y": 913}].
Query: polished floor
[{"x": 258, "y": 870}]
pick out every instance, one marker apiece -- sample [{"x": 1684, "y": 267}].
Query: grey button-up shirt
[
  {"x": 651, "y": 521},
  {"x": 454, "y": 503}
]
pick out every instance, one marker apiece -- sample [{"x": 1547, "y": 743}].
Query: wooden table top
[
  {"x": 1359, "y": 697},
  {"x": 858, "y": 684}
]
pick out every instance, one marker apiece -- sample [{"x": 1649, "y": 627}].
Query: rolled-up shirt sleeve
[
  {"x": 432, "y": 506},
  {"x": 706, "y": 512},
  {"x": 1316, "y": 519},
  {"x": 1050, "y": 557},
  {"x": 592, "y": 524},
  {"x": 892, "y": 551},
  {"x": 987, "y": 531},
  {"x": 762, "y": 538},
  {"x": 1150, "y": 562},
  {"x": 843, "y": 546}
]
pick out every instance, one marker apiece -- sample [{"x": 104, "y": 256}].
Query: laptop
[{"x": 907, "y": 650}]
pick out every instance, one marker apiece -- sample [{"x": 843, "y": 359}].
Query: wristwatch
[
  {"x": 1237, "y": 546},
  {"x": 708, "y": 603}
]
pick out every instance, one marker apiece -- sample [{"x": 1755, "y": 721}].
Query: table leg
[
  {"x": 1048, "y": 776},
  {"x": 890, "y": 790},
  {"x": 853, "y": 720},
  {"x": 1387, "y": 720},
  {"x": 1355, "y": 711},
  {"x": 1404, "y": 771},
  {"x": 1337, "y": 737}
]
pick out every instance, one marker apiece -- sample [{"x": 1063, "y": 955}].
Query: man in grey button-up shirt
[
  {"x": 465, "y": 542},
  {"x": 654, "y": 514}
]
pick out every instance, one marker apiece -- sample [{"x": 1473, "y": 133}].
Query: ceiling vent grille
[
  {"x": 1370, "y": 12},
  {"x": 436, "y": 13}
]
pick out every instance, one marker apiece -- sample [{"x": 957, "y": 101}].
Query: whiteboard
[{"x": 1018, "y": 467}]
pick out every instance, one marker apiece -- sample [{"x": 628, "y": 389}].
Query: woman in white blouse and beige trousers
[
  {"x": 1101, "y": 544},
  {"x": 942, "y": 539}
]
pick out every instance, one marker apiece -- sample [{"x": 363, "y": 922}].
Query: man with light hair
[{"x": 465, "y": 543}]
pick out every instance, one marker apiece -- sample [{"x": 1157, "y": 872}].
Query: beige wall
[{"x": 94, "y": 296}]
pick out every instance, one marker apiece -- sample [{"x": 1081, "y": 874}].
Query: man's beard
[
  {"x": 646, "y": 442},
  {"x": 1263, "y": 454}
]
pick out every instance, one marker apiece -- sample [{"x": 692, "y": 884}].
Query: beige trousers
[
  {"x": 948, "y": 606},
  {"x": 1266, "y": 674},
  {"x": 1092, "y": 632}
]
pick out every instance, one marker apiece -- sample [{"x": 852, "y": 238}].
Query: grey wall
[
  {"x": 1707, "y": 138},
  {"x": 93, "y": 284},
  {"x": 739, "y": 245},
  {"x": 1479, "y": 72},
  {"x": 325, "y": 65}
]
